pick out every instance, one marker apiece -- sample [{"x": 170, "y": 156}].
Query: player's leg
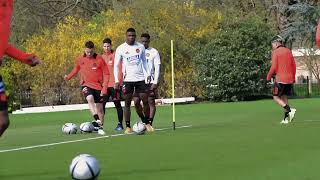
[
  {"x": 116, "y": 98},
  {"x": 288, "y": 91},
  {"x": 4, "y": 117},
  {"x": 152, "y": 105},
  {"x": 138, "y": 107},
  {"x": 278, "y": 96},
  {"x": 142, "y": 89},
  {"x": 127, "y": 89},
  {"x": 88, "y": 94}
]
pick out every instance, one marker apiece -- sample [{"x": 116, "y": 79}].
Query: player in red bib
[
  {"x": 6, "y": 10},
  {"x": 284, "y": 67}
]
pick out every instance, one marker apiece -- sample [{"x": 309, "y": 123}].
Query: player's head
[
  {"x": 145, "y": 39},
  {"x": 107, "y": 45},
  {"x": 277, "y": 41},
  {"x": 131, "y": 36},
  {"x": 89, "y": 49}
]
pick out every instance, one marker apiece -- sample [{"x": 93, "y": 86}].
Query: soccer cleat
[
  {"x": 119, "y": 127},
  {"x": 128, "y": 131},
  {"x": 149, "y": 128},
  {"x": 284, "y": 121},
  {"x": 101, "y": 132},
  {"x": 291, "y": 114}
]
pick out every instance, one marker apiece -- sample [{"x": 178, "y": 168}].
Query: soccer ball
[
  {"x": 139, "y": 128},
  {"x": 69, "y": 128},
  {"x": 84, "y": 167},
  {"x": 86, "y": 127}
]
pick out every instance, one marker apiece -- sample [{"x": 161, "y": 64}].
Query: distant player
[
  {"x": 153, "y": 59},
  {"x": 108, "y": 57},
  {"x": 6, "y": 10},
  {"x": 131, "y": 55},
  {"x": 318, "y": 34},
  {"x": 284, "y": 67},
  {"x": 94, "y": 77}
]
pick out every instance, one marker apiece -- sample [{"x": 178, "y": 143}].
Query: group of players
[
  {"x": 133, "y": 69},
  {"x": 131, "y": 72}
]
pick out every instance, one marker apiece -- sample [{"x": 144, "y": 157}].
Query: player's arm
[
  {"x": 294, "y": 67},
  {"x": 145, "y": 65},
  {"x": 273, "y": 67},
  {"x": 117, "y": 59},
  {"x": 17, "y": 54},
  {"x": 74, "y": 71},
  {"x": 157, "y": 63},
  {"x": 318, "y": 34},
  {"x": 106, "y": 77}
]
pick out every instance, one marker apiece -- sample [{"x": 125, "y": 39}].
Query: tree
[{"x": 233, "y": 65}]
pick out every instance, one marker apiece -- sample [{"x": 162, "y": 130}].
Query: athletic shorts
[
  {"x": 3, "y": 97},
  {"x": 113, "y": 94},
  {"x": 134, "y": 87},
  {"x": 86, "y": 91},
  {"x": 280, "y": 89}
]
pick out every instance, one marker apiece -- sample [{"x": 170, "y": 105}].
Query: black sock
[
  {"x": 287, "y": 108},
  {"x": 150, "y": 121},
  {"x": 96, "y": 117},
  {"x": 128, "y": 124},
  {"x": 120, "y": 114},
  {"x": 286, "y": 115}
]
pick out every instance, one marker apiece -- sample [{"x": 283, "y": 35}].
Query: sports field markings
[{"x": 79, "y": 140}]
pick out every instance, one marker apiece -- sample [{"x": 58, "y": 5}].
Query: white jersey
[
  {"x": 153, "y": 59},
  {"x": 134, "y": 63}
]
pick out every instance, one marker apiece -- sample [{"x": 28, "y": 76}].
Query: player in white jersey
[
  {"x": 153, "y": 59},
  {"x": 131, "y": 55}
]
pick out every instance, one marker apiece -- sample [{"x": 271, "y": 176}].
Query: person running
[{"x": 284, "y": 67}]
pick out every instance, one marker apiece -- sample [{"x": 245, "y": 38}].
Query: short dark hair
[
  {"x": 131, "y": 30},
  {"x": 277, "y": 38},
  {"x": 89, "y": 44},
  {"x": 146, "y": 35},
  {"x": 107, "y": 40}
]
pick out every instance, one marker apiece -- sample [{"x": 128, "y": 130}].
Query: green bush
[{"x": 233, "y": 66}]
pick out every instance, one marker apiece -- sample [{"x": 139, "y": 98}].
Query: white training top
[
  {"x": 134, "y": 63},
  {"x": 153, "y": 59}
]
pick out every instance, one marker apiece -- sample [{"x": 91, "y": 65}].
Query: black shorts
[
  {"x": 280, "y": 89},
  {"x": 86, "y": 91},
  {"x": 114, "y": 94},
  {"x": 3, "y": 97},
  {"x": 134, "y": 87}
]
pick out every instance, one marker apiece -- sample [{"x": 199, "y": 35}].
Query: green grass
[{"x": 227, "y": 141}]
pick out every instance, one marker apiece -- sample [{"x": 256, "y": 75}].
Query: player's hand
[
  {"x": 33, "y": 61},
  {"x": 104, "y": 92},
  {"x": 149, "y": 79},
  {"x": 65, "y": 77},
  {"x": 153, "y": 87},
  {"x": 117, "y": 85}
]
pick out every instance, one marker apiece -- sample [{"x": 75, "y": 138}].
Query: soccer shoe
[
  {"x": 128, "y": 131},
  {"x": 291, "y": 114},
  {"x": 119, "y": 127},
  {"x": 101, "y": 132},
  {"x": 284, "y": 121},
  {"x": 149, "y": 128},
  {"x": 96, "y": 123}
]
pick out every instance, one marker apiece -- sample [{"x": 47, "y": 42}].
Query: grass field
[{"x": 227, "y": 141}]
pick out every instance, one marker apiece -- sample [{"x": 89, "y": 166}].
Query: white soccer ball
[
  {"x": 84, "y": 167},
  {"x": 139, "y": 128},
  {"x": 69, "y": 128},
  {"x": 86, "y": 127}
]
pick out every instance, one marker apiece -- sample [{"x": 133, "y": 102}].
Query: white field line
[{"x": 79, "y": 140}]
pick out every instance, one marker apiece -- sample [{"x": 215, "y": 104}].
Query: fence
[{"x": 306, "y": 89}]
